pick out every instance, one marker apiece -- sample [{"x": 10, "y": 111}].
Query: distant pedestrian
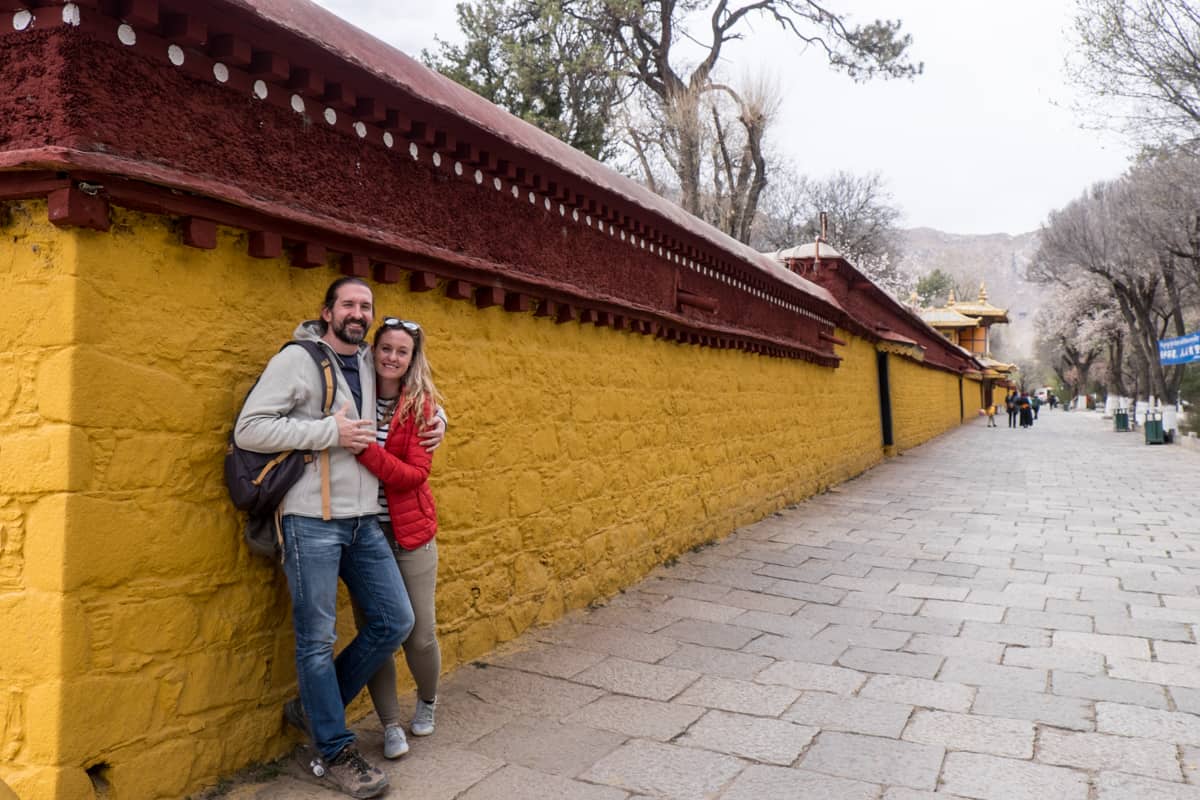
[
  {"x": 991, "y": 415},
  {"x": 1037, "y": 403},
  {"x": 1010, "y": 405},
  {"x": 1025, "y": 410}
]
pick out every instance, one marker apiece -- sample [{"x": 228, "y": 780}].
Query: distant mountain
[{"x": 999, "y": 260}]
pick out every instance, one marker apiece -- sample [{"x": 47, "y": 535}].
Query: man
[{"x": 330, "y": 527}]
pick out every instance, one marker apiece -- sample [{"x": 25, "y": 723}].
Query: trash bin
[
  {"x": 1121, "y": 420},
  {"x": 1154, "y": 428}
]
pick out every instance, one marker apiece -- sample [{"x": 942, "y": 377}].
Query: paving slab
[
  {"x": 664, "y": 770},
  {"x": 878, "y": 760},
  {"x": 636, "y": 717},
  {"x": 767, "y": 741},
  {"x": 976, "y": 734},
  {"x": 1098, "y": 751},
  {"x": 762, "y": 782},
  {"x": 993, "y": 778},
  {"x": 1119, "y": 786}
]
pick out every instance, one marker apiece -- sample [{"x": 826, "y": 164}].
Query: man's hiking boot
[
  {"x": 349, "y": 772},
  {"x": 394, "y": 742},
  {"x": 422, "y": 720},
  {"x": 293, "y": 714}
]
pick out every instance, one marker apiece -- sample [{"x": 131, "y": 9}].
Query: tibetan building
[{"x": 968, "y": 325}]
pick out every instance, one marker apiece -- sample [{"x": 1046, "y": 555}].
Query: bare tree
[
  {"x": 697, "y": 141},
  {"x": 860, "y": 216},
  {"x": 1147, "y": 53},
  {"x": 1098, "y": 236}
]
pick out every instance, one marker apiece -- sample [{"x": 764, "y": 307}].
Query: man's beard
[{"x": 348, "y": 337}]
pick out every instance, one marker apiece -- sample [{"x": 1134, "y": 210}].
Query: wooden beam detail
[
  {"x": 488, "y": 296},
  {"x": 140, "y": 13},
  {"x": 185, "y": 29},
  {"x": 387, "y": 273},
  {"x": 422, "y": 282},
  {"x": 308, "y": 255},
  {"x": 264, "y": 244},
  {"x": 306, "y": 81},
  {"x": 270, "y": 65},
  {"x": 515, "y": 301},
  {"x": 231, "y": 50},
  {"x": 356, "y": 265},
  {"x": 71, "y": 207},
  {"x": 200, "y": 233},
  {"x": 458, "y": 290}
]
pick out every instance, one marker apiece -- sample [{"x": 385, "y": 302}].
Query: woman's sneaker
[
  {"x": 349, "y": 772},
  {"x": 394, "y": 743},
  {"x": 422, "y": 721}
]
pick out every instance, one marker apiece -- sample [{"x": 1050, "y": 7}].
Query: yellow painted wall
[
  {"x": 925, "y": 401},
  {"x": 578, "y": 458},
  {"x": 998, "y": 395}
]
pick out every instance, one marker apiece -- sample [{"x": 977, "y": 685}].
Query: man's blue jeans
[{"x": 316, "y": 553}]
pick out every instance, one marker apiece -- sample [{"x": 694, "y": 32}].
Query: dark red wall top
[
  {"x": 878, "y": 315},
  {"x": 278, "y": 117}
]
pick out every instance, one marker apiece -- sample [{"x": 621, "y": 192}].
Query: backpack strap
[{"x": 325, "y": 364}]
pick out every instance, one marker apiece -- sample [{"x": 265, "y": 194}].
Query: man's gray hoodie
[{"x": 283, "y": 412}]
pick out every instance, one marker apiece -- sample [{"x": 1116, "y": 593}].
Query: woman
[{"x": 407, "y": 401}]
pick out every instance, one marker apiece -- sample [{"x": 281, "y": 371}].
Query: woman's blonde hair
[{"x": 418, "y": 394}]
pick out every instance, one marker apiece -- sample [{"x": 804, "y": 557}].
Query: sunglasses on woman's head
[{"x": 402, "y": 324}]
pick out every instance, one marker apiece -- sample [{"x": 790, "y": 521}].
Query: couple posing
[{"x": 380, "y": 443}]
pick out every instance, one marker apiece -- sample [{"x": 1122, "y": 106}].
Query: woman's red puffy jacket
[{"x": 402, "y": 466}]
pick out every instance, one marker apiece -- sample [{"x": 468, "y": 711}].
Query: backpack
[{"x": 257, "y": 482}]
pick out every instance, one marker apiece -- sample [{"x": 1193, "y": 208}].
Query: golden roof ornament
[
  {"x": 950, "y": 301},
  {"x": 982, "y": 292}
]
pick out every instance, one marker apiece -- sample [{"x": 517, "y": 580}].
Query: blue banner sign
[{"x": 1180, "y": 350}]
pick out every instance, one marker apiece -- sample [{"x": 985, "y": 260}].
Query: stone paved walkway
[{"x": 1000, "y": 614}]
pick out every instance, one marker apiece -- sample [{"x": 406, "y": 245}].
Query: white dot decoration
[
  {"x": 388, "y": 139},
  {"x": 360, "y": 129},
  {"x": 437, "y": 159},
  {"x": 413, "y": 150},
  {"x": 547, "y": 203},
  {"x": 71, "y": 14},
  {"x": 127, "y": 35},
  {"x": 175, "y": 55},
  {"x": 220, "y": 72},
  {"x": 260, "y": 90},
  {"x": 562, "y": 210},
  {"x": 532, "y": 198},
  {"x": 458, "y": 168},
  {"x": 589, "y": 220},
  {"x": 478, "y": 176},
  {"x": 575, "y": 214},
  {"x": 297, "y": 104},
  {"x": 516, "y": 191},
  {"x": 22, "y": 20},
  {"x": 330, "y": 116},
  {"x": 497, "y": 183},
  {"x": 622, "y": 236}
]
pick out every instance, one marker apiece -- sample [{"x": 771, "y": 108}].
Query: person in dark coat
[
  {"x": 1025, "y": 410},
  {"x": 1010, "y": 405}
]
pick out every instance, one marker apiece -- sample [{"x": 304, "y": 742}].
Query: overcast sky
[{"x": 984, "y": 142}]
